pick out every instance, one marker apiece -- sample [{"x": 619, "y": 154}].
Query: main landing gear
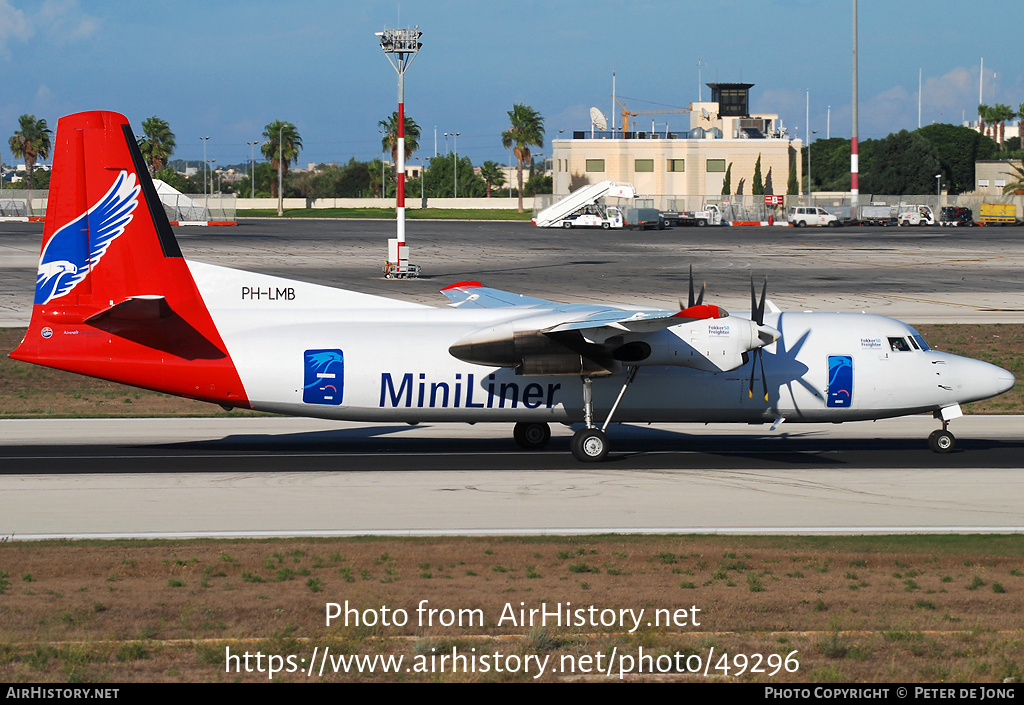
[
  {"x": 532, "y": 435},
  {"x": 590, "y": 444}
]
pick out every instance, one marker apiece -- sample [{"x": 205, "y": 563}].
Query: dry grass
[
  {"x": 873, "y": 609},
  {"x": 28, "y": 391}
]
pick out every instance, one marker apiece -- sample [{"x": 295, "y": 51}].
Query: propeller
[
  {"x": 693, "y": 302},
  {"x": 765, "y": 334}
]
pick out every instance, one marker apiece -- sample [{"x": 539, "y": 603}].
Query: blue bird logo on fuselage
[{"x": 77, "y": 247}]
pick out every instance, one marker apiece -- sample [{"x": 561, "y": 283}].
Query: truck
[
  {"x": 708, "y": 215},
  {"x": 998, "y": 214},
  {"x": 596, "y": 216},
  {"x": 643, "y": 218},
  {"x": 877, "y": 214},
  {"x": 573, "y": 206},
  {"x": 914, "y": 214}
]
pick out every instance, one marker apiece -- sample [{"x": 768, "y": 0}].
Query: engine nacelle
[{"x": 717, "y": 345}]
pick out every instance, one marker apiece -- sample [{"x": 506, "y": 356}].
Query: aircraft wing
[
  {"x": 559, "y": 335},
  {"x": 472, "y": 294}
]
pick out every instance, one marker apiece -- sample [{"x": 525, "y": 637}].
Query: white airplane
[{"x": 115, "y": 299}]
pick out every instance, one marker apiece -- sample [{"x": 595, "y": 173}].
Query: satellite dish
[
  {"x": 597, "y": 119},
  {"x": 704, "y": 113}
]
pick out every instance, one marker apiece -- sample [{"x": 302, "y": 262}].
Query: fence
[
  {"x": 178, "y": 207},
  {"x": 747, "y": 207},
  {"x": 19, "y": 203}
]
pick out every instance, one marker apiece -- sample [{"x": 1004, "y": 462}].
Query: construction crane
[{"x": 627, "y": 113}]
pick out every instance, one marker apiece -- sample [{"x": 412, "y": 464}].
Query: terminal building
[{"x": 681, "y": 168}]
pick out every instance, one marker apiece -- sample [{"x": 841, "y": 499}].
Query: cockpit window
[
  {"x": 918, "y": 339},
  {"x": 913, "y": 343},
  {"x": 899, "y": 345}
]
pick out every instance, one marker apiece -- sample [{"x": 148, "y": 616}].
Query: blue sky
[{"x": 226, "y": 69}]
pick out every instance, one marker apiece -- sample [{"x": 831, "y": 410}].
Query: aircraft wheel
[
  {"x": 532, "y": 436},
  {"x": 941, "y": 441},
  {"x": 590, "y": 445}
]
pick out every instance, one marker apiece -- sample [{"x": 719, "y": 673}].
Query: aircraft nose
[{"x": 981, "y": 380}]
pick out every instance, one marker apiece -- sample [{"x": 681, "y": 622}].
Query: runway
[{"x": 283, "y": 477}]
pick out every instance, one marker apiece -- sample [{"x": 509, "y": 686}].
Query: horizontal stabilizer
[{"x": 135, "y": 308}]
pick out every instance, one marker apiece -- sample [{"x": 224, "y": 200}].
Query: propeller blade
[
  {"x": 700, "y": 298},
  {"x": 750, "y": 387},
  {"x": 760, "y": 305},
  {"x": 764, "y": 380},
  {"x": 691, "y": 299},
  {"x": 753, "y": 299}
]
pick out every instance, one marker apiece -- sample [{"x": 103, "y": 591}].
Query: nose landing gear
[{"x": 942, "y": 441}]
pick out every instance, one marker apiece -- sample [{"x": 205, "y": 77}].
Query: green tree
[
  {"x": 526, "y": 129},
  {"x": 158, "y": 143},
  {"x": 727, "y": 184},
  {"x": 757, "y": 187},
  {"x": 902, "y": 163},
  {"x": 999, "y": 115},
  {"x": 792, "y": 186},
  {"x": 492, "y": 175},
  {"x": 439, "y": 178},
  {"x": 31, "y": 142},
  {"x": 174, "y": 180},
  {"x": 958, "y": 149},
  {"x": 983, "y": 113},
  {"x": 390, "y": 140},
  {"x": 377, "y": 177},
  {"x": 282, "y": 145}
]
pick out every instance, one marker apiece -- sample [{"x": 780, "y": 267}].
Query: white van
[{"x": 802, "y": 216}]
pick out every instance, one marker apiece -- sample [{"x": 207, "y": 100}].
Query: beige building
[
  {"x": 991, "y": 176},
  {"x": 684, "y": 165}
]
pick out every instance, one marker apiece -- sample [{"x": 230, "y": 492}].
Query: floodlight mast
[{"x": 401, "y": 47}]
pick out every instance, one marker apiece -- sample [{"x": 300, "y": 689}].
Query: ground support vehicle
[
  {"x": 709, "y": 215},
  {"x": 877, "y": 214},
  {"x": 596, "y": 216},
  {"x": 956, "y": 216},
  {"x": 577, "y": 203},
  {"x": 643, "y": 218},
  {"x": 914, "y": 214},
  {"x": 802, "y": 216},
  {"x": 998, "y": 214}
]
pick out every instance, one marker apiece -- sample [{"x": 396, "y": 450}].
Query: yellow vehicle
[{"x": 998, "y": 213}]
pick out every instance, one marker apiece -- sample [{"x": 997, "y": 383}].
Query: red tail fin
[{"x": 114, "y": 296}]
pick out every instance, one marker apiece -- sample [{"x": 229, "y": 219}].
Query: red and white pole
[
  {"x": 404, "y": 45},
  {"x": 400, "y": 167},
  {"x": 854, "y": 165}
]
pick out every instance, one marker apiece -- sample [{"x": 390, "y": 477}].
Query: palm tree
[
  {"x": 281, "y": 148},
  {"x": 490, "y": 172},
  {"x": 390, "y": 140},
  {"x": 1004, "y": 113},
  {"x": 527, "y": 129},
  {"x": 158, "y": 144},
  {"x": 983, "y": 111},
  {"x": 1018, "y": 185},
  {"x": 31, "y": 142},
  {"x": 1000, "y": 114}
]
